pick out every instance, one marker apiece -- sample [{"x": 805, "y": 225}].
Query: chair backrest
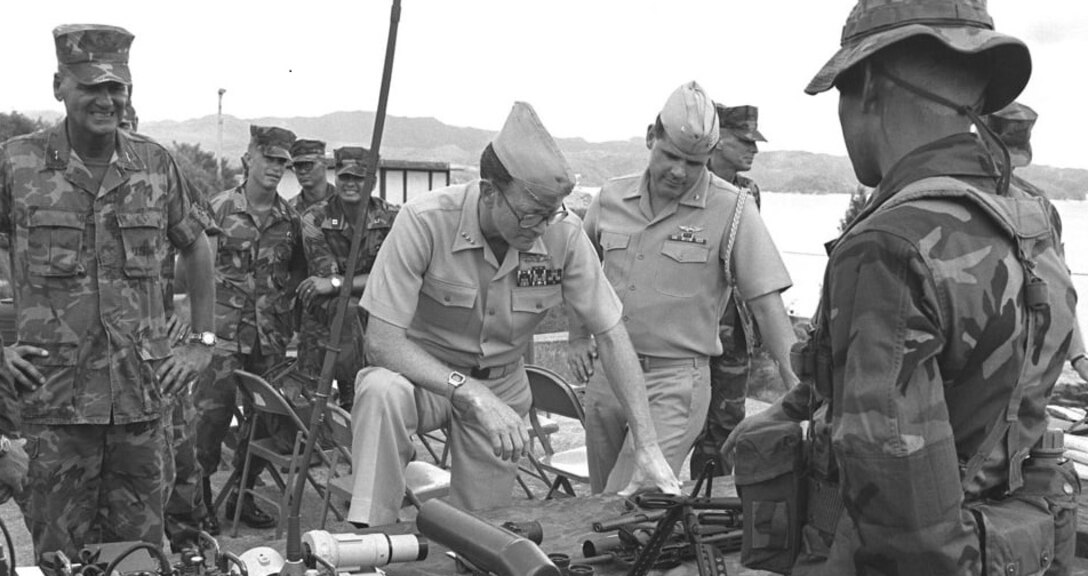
[
  {"x": 338, "y": 424},
  {"x": 267, "y": 399},
  {"x": 552, "y": 394}
]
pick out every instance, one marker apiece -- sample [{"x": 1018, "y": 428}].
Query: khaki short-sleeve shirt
[
  {"x": 670, "y": 269},
  {"x": 436, "y": 277}
]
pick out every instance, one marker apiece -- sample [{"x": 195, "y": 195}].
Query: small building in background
[{"x": 398, "y": 180}]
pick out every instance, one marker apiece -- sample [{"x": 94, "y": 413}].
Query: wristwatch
[
  {"x": 5, "y": 445},
  {"x": 336, "y": 282},
  {"x": 207, "y": 338},
  {"x": 455, "y": 381}
]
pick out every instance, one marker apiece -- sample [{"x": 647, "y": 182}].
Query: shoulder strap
[
  {"x": 731, "y": 237},
  {"x": 1025, "y": 220}
]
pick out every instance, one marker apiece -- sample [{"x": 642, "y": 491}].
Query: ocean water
[{"x": 801, "y": 223}]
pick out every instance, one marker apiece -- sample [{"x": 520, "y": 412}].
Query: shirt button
[
  {"x": 641, "y": 257},
  {"x": 446, "y": 298},
  {"x": 491, "y": 311},
  {"x": 631, "y": 287},
  {"x": 539, "y": 306},
  {"x": 626, "y": 318}
]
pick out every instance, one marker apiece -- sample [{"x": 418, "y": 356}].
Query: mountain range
[{"x": 408, "y": 138}]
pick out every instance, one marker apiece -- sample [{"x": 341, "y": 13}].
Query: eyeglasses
[
  {"x": 302, "y": 166},
  {"x": 527, "y": 221}
]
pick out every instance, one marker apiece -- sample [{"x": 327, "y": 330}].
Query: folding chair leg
[
  {"x": 232, "y": 483},
  {"x": 528, "y": 493},
  {"x": 243, "y": 490}
]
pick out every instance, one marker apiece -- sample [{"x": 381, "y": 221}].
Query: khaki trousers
[
  {"x": 389, "y": 409},
  {"x": 679, "y": 398}
]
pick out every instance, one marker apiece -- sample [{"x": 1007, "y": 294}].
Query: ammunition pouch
[
  {"x": 770, "y": 479},
  {"x": 1033, "y": 530}
]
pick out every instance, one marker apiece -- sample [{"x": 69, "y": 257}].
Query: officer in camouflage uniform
[
  {"x": 90, "y": 212},
  {"x": 945, "y": 317},
  {"x": 327, "y": 230},
  {"x": 734, "y": 153},
  {"x": 256, "y": 252},
  {"x": 308, "y": 164},
  {"x": 1013, "y": 125}
]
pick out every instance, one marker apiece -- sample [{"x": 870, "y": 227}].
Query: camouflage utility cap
[
  {"x": 351, "y": 160},
  {"x": 531, "y": 155},
  {"x": 93, "y": 53},
  {"x": 272, "y": 140},
  {"x": 307, "y": 150},
  {"x": 742, "y": 121},
  {"x": 690, "y": 121},
  {"x": 961, "y": 25},
  {"x": 1013, "y": 125}
]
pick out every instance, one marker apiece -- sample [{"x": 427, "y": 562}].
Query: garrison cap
[
  {"x": 531, "y": 155},
  {"x": 272, "y": 140},
  {"x": 690, "y": 120},
  {"x": 1013, "y": 125},
  {"x": 307, "y": 150},
  {"x": 351, "y": 160},
  {"x": 93, "y": 53},
  {"x": 962, "y": 25},
  {"x": 742, "y": 121}
]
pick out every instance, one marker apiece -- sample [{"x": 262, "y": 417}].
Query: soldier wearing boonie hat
[
  {"x": 327, "y": 231},
  {"x": 668, "y": 236},
  {"x": 95, "y": 379},
  {"x": 308, "y": 164},
  {"x": 943, "y": 322},
  {"x": 259, "y": 249},
  {"x": 457, "y": 289}
]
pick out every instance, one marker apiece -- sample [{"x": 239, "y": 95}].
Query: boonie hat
[
  {"x": 961, "y": 25},
  {"x": 93, "y": 53},
  {"x": 351, "y": 160},
  {"x": 531, "y": 155},
  {"x": 690, "y": 120},
  {"x": 272, "y": 140},
  {"x": 1013, "y": 124},
  {"x": 307, "y": 150},
  {"x": 742, "y": 121}
]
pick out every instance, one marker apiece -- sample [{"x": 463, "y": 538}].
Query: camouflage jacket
[
  {"x": 923, "y": 316},
  {"x": 326, "y": 234},
  {"x": 300, "y": 204},
  {"x": 256, "y": 271},
  {"x": 87, "y": 271}
]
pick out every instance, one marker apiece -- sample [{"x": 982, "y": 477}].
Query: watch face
[
  {"x": 456, "y": 379},
  {"x": 208, "y": 338}
]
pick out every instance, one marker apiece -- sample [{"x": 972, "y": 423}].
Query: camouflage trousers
[
  {"x": 351, "y": 359},
  {"x": 728, "y": 389},
  {"x": 91, "y": 483},
  {"x": 217, "y": 400},
  {"x": 182, "y": 473}
]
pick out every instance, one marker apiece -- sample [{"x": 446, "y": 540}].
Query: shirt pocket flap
[
  {"x": 139, "y": 220},
  {"x": 614, "y": 241},
  {"x": 686, "y": 251},
  {"x": 56, "y": 219},
  {"x": 536, "y": 299},
  {"x": 449, "y": 293}
]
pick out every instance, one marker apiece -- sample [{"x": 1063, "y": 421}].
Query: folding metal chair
[
  {"x": 552, "y": 394},
  {"x": 270, "y": 405},
  {"x": 423, "y": 480}
]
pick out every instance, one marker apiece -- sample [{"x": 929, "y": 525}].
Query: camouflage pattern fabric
[
  {"x": 182, "y": 472},
  {"x": 327, "y": 235},
  {"x": 254, "y": 286},
  {"x": 923, "y": 316},
  {"x": 80, "y": 493},
  {"x": 94, "y": 53},
  {"x": 87, "y": 265}
]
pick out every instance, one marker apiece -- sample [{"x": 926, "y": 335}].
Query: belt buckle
[{"x": 644, "y": 363}]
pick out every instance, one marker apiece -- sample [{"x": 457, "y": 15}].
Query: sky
[{"x": 596, "y": 69}]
